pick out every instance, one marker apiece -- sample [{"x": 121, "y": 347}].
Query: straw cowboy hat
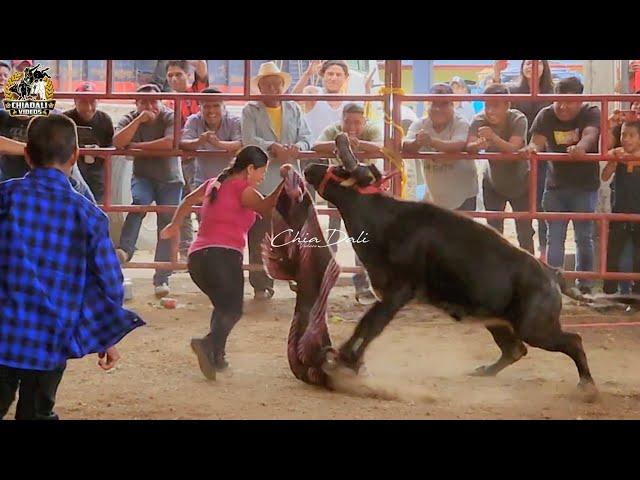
[{"x": 268, "y": 69}]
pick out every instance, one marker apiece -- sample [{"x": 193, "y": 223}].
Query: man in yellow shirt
[{"x": 280, "y": 129}]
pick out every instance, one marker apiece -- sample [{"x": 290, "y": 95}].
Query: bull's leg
[
  {"x": 372, "y": 324},
  {"x": 511, "y": 347},
  {"x": 554, "y": 339},
  {"x": 570, "y": 344}
]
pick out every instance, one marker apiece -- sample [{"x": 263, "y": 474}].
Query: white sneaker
[
  {"x": 366, "y": 297},
  {"x": 263, "y": 294},
  {"x": 162, "y": 290}
]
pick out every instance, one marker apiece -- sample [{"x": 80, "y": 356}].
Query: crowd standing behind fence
[{"x": 575, "y": 133}]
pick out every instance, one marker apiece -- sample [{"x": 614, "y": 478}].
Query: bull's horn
[{"x": 344, "y": 153}]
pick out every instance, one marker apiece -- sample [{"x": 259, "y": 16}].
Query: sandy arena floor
[{"x": 422, "y": 358}]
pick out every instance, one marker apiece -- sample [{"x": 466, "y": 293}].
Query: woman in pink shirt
[{"x": 230, "y": 204}]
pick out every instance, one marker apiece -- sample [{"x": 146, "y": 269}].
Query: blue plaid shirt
[{"x": 61, "y": 287}]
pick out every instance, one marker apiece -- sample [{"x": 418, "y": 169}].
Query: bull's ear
[{"x": 363, "y": 175}]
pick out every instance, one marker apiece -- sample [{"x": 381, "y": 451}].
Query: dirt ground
[{"x": 422, "y": 358}]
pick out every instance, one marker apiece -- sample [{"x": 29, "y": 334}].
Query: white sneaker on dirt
[
  {"x": 162, "y": 290},
  {"x": 366, "y": 297},
  {"x": 263, "y": 294}
]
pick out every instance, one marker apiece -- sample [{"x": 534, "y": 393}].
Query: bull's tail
[
  {"x": 566, "y": 287},
  {"x": 571, "y": 291}
]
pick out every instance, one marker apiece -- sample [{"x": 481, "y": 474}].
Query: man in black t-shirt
[
  {"x": 13, "y": 132},
  {"x": 569, "y": 127},
  {"x": 98, "y": 130},
  {"x": 15, "y": 128}
]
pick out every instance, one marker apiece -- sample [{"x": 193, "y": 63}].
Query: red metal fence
[{"x": 392, "y": 97}]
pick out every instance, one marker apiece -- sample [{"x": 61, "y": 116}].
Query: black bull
[{"x": 419, "y": 251}]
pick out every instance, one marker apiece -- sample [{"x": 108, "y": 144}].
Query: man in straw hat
[{"x": 280, "y": 129}]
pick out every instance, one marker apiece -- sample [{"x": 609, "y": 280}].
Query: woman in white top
[{"x": 319, "y": 115}]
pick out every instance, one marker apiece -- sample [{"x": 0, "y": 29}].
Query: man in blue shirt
[{"x": 61, "y": 287}]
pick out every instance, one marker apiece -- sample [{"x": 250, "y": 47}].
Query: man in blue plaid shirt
[{"x": 61, "y": 287}]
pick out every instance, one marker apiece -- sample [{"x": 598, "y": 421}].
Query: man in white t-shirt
[
  {"x": 320, "y": 114},
  {"x": 318, "y": 117},
  {"x": 335, "y": 76},
  {"x": 452, "y": 183}
]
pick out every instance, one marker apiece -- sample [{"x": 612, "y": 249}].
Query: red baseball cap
[
  {"x": 86, "y": 87},
  {"x": 15, "y": 63}
]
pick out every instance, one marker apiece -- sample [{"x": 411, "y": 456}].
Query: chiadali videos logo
[{"x": 29, "y": 92}]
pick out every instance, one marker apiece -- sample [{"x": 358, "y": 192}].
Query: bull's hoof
[
  {"x": 330, "y": 359},
  {"x": 338, "y": 370},
  {"x": 334, "y": 363},
  {"x": 348, "y": 358},
  {"x": 328, "y": 353},
  {"x": 483, "y": 371},
  {"x": 354, "y": 367},
  {"x": 588, "y": 391}
]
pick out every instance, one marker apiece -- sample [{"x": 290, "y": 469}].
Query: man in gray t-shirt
[
  {"x": 452, "y": 183},
  {"x": 155, "y": 178},
  {"x": 279, "y": 128},
  {"x": 498, "y": 128}
]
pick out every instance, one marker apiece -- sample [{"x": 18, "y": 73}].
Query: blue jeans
[
  {"x": 79, "y": 183},
  {"x": 624, "y": 239},
  {"x": 570, "y": 200},
  {"x": 542, "y": 224},
  {"x": 145, "y": 191}
]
